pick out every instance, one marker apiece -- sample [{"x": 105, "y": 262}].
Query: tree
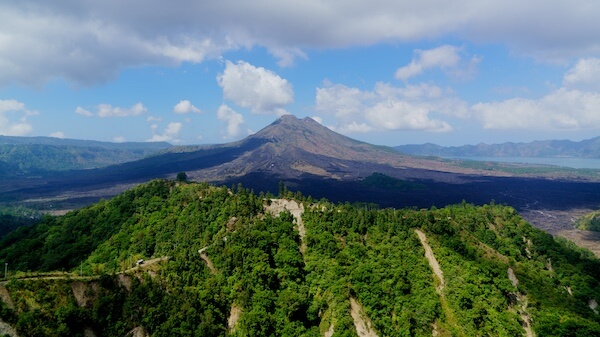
[{"x": 181, "y": 177}]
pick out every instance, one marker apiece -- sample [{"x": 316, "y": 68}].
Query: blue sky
[{"x": 386, "y": 72}]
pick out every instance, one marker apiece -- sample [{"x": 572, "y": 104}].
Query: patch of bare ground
[
  {"x": 522, "y": 305},
  {"x": 525, "y": 315},
  {"x": 88, "y": 332},
  {"x": 512, "y": 277},
  {"x": 329, "y": 332},
  {"x": 138, "y": 332},
  {"x": 362, "y": 323},
  {"x": 593, "y": 305},
  {"x": 5, "y": 297},
  {"x": 84, "y": 293},
  {"x": 234, "y": 317},
  {"x": 276, "y": 206},
  {"x": 124, "y": 281},
  {"x": 7, "y": 330},
  {"x": 306, "y": 168},
  {"x": 231, "y": 224},
  {"x": 207, "y": 260}
]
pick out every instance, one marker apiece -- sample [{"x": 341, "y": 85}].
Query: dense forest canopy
[{"x": 223, "y": 261}]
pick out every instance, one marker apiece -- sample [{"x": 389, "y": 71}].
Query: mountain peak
[
  {"x": 291, "y": 144},
  {"x": 289, "y": 128},
  {"x": 290, "y": 120}
]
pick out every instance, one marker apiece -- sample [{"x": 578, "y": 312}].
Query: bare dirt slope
[
  {"x": 361, "y": 321},
  {"x": 296, "y": 209}
]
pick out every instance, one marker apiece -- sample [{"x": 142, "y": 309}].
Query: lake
[{"x": 578, "y": 163}]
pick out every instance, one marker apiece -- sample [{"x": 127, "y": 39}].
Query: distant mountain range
[
  {"x": 589, "y": 148},
  {"x": 35, "y": 155}
]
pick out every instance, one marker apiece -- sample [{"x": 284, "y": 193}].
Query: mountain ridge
[
  {"x": 22, "y": 156},
  {"x": 43, "y": 140},
  {"x": 587, "y": 148}
]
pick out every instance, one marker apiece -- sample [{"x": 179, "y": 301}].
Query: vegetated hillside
[
  {"x": 13, "y": 217},
  {"x": 37, "y": 155},
  {"x": 228, "y": 262},
  {"x": 589, "y": 148},
  {"x": 589, "y": 222}
]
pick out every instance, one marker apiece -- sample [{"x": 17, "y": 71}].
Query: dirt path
[
  {"x": 329, "y": 332},
  {"x": 234, "y": 316},
  {"x": 433, "y": 263},
  {"x": 439, "y": 277},
  {"x": 280, "y": 205},
  {"x": 74, "y": 277},
  {"x": 361, "y": 321},
  {"x": 207, "y": 260}
]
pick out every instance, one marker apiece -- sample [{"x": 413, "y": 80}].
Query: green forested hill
[{"x": 222, "y": 262}]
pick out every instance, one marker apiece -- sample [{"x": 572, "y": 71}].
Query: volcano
[
  {"x": 292, "y": 148},
  {"x": 317, "y": 161}
]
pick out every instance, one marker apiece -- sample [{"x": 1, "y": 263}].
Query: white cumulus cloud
[
  {"x": 232, "y": 119},
  {"x": 386, "y": 107},
  {"x": 153, "y": 119},
  {"x": 57, "y": 134},
  {"x": 13, "y": 118},
  {"x": 445, "y": 57},
  {"x": 81, "y": 111},
  {"x": 401, "y": 115},
  {"x": 584, "y": 75},
  {"x": 559, "y": 110},
  {"x": 184, "y": 107},
  {"x": 169, "y": 134},
  {"x": 341, "y": 100},
  {"x": 574, "y": 106},
  {"x": 107, "y": 110},
  {"x": 257, "y": 88}
]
